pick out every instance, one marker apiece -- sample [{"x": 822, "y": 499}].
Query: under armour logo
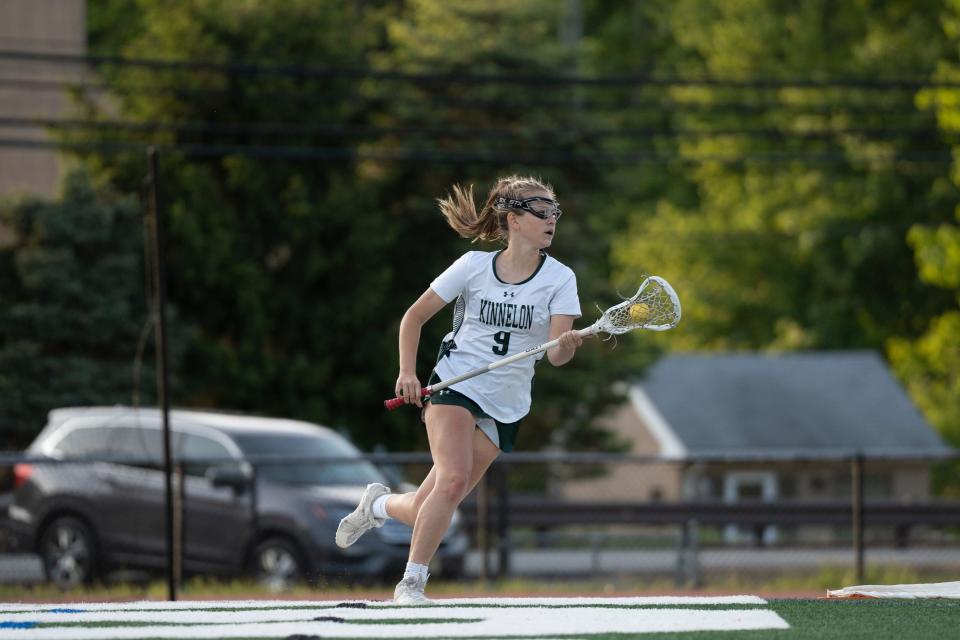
[{"x": 508, "y": 293}]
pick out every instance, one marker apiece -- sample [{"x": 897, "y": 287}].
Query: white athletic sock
[
  {"x": 379, "y": 507},
  {"x": 416, "y": 570}
]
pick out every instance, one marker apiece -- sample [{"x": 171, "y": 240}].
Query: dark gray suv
[{"x": 252, "y": 502}]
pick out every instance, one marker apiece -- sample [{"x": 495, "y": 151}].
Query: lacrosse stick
[{"x": 655, "y": 306}]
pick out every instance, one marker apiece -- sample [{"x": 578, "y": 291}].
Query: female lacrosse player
[{"x": 507, "y": 301}]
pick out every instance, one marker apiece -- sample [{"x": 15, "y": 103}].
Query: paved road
[{"x": 20, "y": 568}]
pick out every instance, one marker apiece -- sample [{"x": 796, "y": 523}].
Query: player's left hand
[{"x": 570, "y": 340}]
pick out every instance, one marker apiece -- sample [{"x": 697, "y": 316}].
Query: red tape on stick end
[{"x": 393, "y": 403}]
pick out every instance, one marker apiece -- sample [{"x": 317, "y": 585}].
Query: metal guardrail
[
  {"x": 545, "y": 513},
  {"x": 494, "y": 511}
]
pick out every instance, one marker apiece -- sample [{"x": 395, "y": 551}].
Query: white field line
[
  {"x": 494, "y": 622},
  {"x": 260, "y": 614},
  {"x": 243, "y": 617},
  {"x": 162, "y": 605},
  {"x": 639, "y": 601}
]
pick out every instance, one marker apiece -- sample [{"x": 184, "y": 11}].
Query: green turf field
[
  {"x": 876, "y": 619},
  {"x": 539, "y": 618},
  {"x": 849, "y": 619}
]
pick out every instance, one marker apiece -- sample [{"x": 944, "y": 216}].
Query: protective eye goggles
[{"x": 543, "y": 212}]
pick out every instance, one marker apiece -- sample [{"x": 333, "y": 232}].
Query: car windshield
[{"x": 286, "y": 458}]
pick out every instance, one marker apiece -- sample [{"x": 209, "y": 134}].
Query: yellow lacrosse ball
[{"x": 640, "y": 311}]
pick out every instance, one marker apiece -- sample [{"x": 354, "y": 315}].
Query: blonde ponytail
[
  {"x": 460, "y": 211},
  {"x": 490, "y": 223}
]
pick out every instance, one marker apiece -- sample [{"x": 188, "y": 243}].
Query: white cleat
[
  {"x": 409, "y": 591},
  {"x": 361, "y": 520}
]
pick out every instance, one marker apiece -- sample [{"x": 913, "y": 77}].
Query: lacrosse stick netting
[{"x": 655, "y": 306}]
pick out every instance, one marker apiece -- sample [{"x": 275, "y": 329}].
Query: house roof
[{"x": 813, "y": 403}]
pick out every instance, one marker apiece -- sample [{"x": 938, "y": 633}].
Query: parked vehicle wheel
[
  {"x": 277, "y": 564},
  {"x": 68, "y": 552}
]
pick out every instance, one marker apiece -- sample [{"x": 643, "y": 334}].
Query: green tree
[
  {"x": 297, "y": 271},
  {"x": 788, "y": 227},
  {"x": 813, "y": 214},
  {"x": 72, "y": 306},
  {"x": 778, "y": 205},
  {"x": 930, "y": 363},
  {"x": 275, "y": 260}
]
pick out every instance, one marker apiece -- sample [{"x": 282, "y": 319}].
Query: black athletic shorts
[{"x": 506, "y": 432}]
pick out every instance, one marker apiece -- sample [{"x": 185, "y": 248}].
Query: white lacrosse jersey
[{"x": 493, "y": 320}]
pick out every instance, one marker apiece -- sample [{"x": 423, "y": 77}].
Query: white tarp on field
[{"x": 932, "y": 590}]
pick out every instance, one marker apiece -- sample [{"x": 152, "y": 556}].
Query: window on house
[
  {"x": 818, "y": 485},
  {"x": 787, "y": 485}
]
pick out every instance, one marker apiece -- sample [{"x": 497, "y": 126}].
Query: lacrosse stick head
[{"x": 655, "y": 306}]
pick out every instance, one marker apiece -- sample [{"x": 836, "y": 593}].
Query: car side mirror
[{"x": 229, "y": 475}]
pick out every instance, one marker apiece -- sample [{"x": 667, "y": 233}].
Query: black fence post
[
  {"x": 483, "y": 527},
  {"x": 179, "y": 525},
  {"x": 254, "y": 504},
  {"x": 503, "y": 519},
  {"x": 856, "y": 495},
  {"x": 688, "y": 562}
]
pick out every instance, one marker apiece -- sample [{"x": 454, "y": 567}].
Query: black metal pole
[
  {"x": 482, "y": 532},
  {"x": 857, "y": 515},
  {"x": 503, "y": 519},
  {"x": 160, "y": 326}
]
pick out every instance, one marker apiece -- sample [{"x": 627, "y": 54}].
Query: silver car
[{"x": 252, "y": 499}]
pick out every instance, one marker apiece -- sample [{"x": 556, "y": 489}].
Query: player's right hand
[{"x": 408, "y": 387}]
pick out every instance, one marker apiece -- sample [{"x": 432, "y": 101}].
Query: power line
[
  {"x": 637, "y": 106},
  {"x": 524, "y": 157},
  {"x": 539, "y": 79},
  {"x": 369, "y": 131}
]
